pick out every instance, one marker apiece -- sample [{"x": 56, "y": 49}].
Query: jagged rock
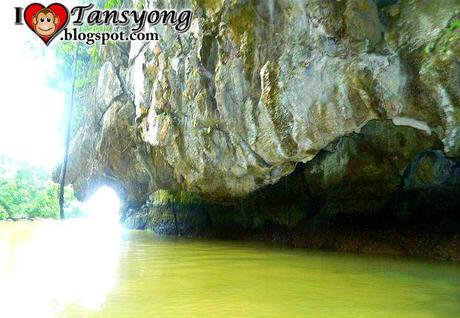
[
  {"x": 432, "y": 190},
  {"x": 431, "y": 169},
  {"x": 362, "y": 21},
  {"x": 360, "y": 173},
  {"x": 256, "y": 88},
  {"x": 108, "y": 85}
]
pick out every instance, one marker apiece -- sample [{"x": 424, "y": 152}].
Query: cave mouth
[{"x": 103, "y": 207}]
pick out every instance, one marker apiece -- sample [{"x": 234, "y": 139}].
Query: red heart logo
[{"x": 46, "y": 22}]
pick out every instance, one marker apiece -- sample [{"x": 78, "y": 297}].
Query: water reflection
[
  {"x": 76, "y": 269},
  {"x": 72, "y": 263},
  {"x": 47, "y": 266}
]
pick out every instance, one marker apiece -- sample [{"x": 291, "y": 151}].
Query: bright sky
[{"x": 31, "y": 113}]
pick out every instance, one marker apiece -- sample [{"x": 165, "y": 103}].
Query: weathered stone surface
[
  {"x": 360, "y": 173},
  {"x": 108, "y": 85},
  {"x": 432, "y": 169},
  {"x": 362, "y": 21},
  {"x": 256, "y": 88},
  {"x": 432, "y": 190}
]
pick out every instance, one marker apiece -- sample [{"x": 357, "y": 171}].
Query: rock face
[{"x": 362, "y": 96}]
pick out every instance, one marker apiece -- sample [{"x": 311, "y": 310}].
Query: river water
[{"x": 82, "y": 269}]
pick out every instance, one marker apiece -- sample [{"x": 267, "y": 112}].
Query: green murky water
[{"x": 79, "y": 269}]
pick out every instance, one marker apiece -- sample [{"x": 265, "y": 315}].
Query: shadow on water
[{"x": 79, "y": 268}]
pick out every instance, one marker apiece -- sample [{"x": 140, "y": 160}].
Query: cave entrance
[{"x": 103, "y": 207}]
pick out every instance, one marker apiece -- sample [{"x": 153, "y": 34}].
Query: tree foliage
[{"x": 27, "y": 192}]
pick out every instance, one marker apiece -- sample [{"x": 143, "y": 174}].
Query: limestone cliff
[{"x": 356, "y": 103}]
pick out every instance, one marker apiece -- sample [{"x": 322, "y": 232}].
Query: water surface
[{"x": 83, "y": 269}]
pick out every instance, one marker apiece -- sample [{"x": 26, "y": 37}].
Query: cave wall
[
  {"x": 280, "y": 114},
  {"x": 372, "y": 192}
]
